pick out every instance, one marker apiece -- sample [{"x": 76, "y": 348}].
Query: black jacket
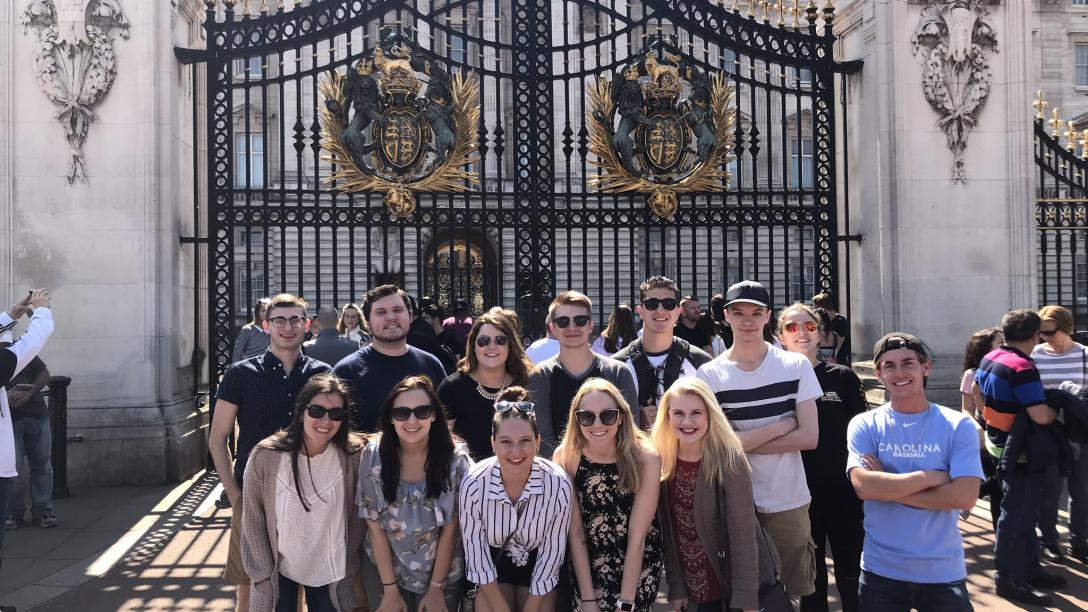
[{"x": 1043, "y": 445}]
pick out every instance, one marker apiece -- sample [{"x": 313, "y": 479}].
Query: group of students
[{"x": 581, "y": 481}]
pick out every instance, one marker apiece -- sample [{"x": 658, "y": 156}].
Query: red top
[{"x": 700, "y": 577}]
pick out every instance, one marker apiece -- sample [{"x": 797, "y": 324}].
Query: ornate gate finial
[
  {"x": 74, "y": 62},
  {"x": 954, "y": 40}
]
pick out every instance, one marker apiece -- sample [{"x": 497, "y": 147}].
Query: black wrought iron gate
[{"x": 535, "y": 225}]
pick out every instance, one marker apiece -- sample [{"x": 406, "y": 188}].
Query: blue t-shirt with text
[{"x": 902, "y": 542}]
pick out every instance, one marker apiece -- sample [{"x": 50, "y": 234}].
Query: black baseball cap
[
  {"x": 749, "y": 292},
  {"x": 899, "y": 340}
]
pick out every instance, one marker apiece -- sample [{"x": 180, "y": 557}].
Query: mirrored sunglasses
[
  {"x": 794, "y": 326},
  {"x": 505, "y": 406}
]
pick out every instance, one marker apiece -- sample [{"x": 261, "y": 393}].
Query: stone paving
[{"x": 162, "y": 549}]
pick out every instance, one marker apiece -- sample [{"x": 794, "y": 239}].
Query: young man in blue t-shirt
[{"x": 916, "y": 465}]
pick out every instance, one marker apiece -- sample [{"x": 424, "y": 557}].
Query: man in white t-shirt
[{"x": 769, "y": 396}]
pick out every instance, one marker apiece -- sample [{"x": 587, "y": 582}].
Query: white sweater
[{"x": 25, "y": 348}]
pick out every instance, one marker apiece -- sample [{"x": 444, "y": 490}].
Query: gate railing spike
[
  {"x": 1070, "y": 138},
  {"x": 796, "y": 12},
  {"x": 1040, "y": 105},
  {"x": 1055, "y": 123},
  {"x": 1084, "y": 145}
]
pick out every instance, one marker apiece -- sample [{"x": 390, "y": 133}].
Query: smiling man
[
  {"x": 916, "y": 465},
  {"x": 659, "y": 357},
  {"x": 769, "y": 396},
  {"x": 259, "y": 393},
  {"x": 555, "y": 381},
  {"x": 374, "y": 370}
]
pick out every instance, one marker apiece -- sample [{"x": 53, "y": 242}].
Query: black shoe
[
  {"x": 1080, "y": 553},
  {"x": 1053, "y": 553},
  {"x": 1022, "y": 593},
  {"x": 1043, "y": 580}
]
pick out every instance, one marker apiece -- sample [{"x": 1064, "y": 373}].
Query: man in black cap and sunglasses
[
  {"x": 554, "y": 381},
  {"x": 658, "y": 358}
]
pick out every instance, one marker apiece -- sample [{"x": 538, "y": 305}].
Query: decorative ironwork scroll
[
  {"x": 663, "y": 144},
  {"x": 397, "y": 141},
  {"x": 954, "y": 41},
  {"x": 74, "y": 62}
]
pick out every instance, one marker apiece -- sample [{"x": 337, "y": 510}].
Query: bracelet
[
  {"x": 385, "y": 584},
  {"x": 590, "y": 600},
  {"x": 438, "y": 585}
]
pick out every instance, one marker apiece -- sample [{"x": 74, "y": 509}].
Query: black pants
[
  {"x": 836, "y": 515},
  {"x": 317, "y": 598},
  {"x": 991, "y": 486}
]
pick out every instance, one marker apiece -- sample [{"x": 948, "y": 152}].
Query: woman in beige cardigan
[{"x": 299, "y": 525}]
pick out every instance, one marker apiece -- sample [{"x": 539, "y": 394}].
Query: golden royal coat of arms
[
  {"x": 384, "y": 136},
  {"x": 663, "y": 145}
]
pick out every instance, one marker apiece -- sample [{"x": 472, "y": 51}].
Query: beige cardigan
[{"x": 259, "y": 535}]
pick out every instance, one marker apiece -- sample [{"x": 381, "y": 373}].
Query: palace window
[
  {"x": 251, "y": 149},
  {"x": 802, "y": 280},
  {"x": 801, "y": 166},
  {"x": 253, "y": 64},
  {"x": 1082, "y": 64}
]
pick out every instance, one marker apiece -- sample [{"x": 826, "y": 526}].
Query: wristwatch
[{"x": 626, "y": 606}]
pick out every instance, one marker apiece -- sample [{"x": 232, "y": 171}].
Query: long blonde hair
[
  {"x": 722, "y": 450},
  {"x": 630, "y": 442}
]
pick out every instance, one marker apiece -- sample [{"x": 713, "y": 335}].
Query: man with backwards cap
[
  {"x": 13, "y": 359},
  {"x": 916, "y": 465},
  {"x": 769, "y": 396}
]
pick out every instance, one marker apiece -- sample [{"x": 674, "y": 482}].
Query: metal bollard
[{"x": 58, "y": 422}]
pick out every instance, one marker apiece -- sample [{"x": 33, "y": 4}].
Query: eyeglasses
[
  {"x": 317, "y": 412},
  {"x": 794, "y": 326},
  {"x": 586, "y": 418},
  {"x": 284, "y": 321},
  {"x": 505, "y": 406},
  {"x": 402, "y": 413},
  {"x": 482, "y": 341},
  {"x": 653, "y": 303},
  {"x": 579, "y": 321}
]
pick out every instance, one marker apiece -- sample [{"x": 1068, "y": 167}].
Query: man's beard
[{"x": 395, "y": 337}]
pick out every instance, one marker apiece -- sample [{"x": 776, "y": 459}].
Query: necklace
[{"x": 488, "y": 395}]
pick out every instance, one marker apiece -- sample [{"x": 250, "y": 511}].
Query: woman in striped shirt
[
  {"x": 515, "y": 513},
  {"x": 1060, "y": 359}
]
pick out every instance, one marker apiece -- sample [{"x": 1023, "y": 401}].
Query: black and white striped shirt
[{"x": 488, "y": 517}]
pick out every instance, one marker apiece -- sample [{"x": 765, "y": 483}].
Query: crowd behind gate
[{"x": 393, "y": 456}]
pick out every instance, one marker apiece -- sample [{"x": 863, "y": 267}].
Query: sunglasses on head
[
  {"x": 482, "y": 341},
  {"x": 579, "y": 321},
  {"x": 653, "y": 303},
  {"x": 794, "y": 326},
  {"x": 586, "y": 418},
  {"x": 505, "y": 406},
  {"x": 335, "y": 414},
  {"x": 403, "y": 413}
]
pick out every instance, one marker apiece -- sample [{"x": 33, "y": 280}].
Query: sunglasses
[
  {"x": 505, "y": 406},
  {"x": 317, "y": 412},
  {"x": 579, "y": 321},
  {"x": 586, "y": 418},
  {"x": 402, "y": 413},
  {"x": 653, "y": 303},
  {"x": 793, "y": 326},
  {"x": 482, "y": 341},
  {"x": 1047, "y": 333}
]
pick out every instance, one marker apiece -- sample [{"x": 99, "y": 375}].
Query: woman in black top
[
  {"x": 835, "y": 511},
  {"x": 494, "y": 361}
]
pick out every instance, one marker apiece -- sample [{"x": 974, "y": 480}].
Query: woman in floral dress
[
  {"x": 615, "y": 547},
  {"x": 408, "y": 479}
]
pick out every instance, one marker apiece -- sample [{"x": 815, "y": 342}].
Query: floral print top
[
  {"x": 606, "y": 511},
  {"x": 414, "y": 522}
]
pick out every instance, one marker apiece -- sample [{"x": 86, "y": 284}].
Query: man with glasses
[
  {"x": 554, "y": 381},
  {"x": 659, "y": 357},
  {"x": 769, "y": 396},
  {"x": 374, "y": 370},
  {"x": 259, "y": 394}
]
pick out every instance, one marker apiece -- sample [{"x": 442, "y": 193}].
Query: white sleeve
[{"x": 31, "y": 342}]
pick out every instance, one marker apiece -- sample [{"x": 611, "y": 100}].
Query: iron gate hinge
[
  {"x": 186, "y": 55},
  {"x": 849, "y": 67},
  {"x": 192, "y": 240},
  {"x": 849, "y": 238}
]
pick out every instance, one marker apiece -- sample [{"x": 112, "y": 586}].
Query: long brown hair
[
  {"x": 340, "y": 328},
  {"x": 440, "y": 442},
  {"x": 621, "y": 327},
  {"x": 518, "y": 365},
  {"x": 631, "y": 443},
  {"x": 290, "y": 440}
]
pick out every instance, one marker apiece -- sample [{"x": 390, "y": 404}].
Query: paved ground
[{"x": 163, "y": 548}]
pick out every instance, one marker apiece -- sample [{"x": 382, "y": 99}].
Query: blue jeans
[
  {"x": 33, "y": 438},
  {"x": 880, "y": 594},
  {"x": 1016, "y": 553},
  {"x": 1078, "y": 502}
]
